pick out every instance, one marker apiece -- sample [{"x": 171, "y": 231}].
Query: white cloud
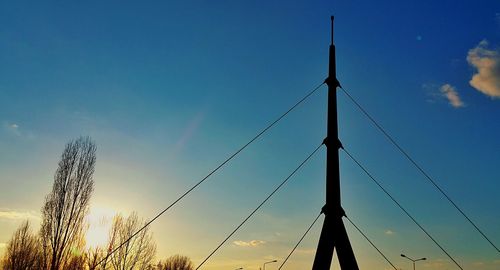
[
  {"x": 12, "y": 128},
  {"x": 446, "y": 92},
  {"x": 252, "y": 243},
  {"x": 389, "y": 232},
  {"x": 487, "y": 65},
  {"x": 14, "y": 215},
  {"x": 450, "y": 93}
]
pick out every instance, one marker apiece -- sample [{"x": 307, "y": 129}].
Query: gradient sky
[{"x": 169, "y": 89}]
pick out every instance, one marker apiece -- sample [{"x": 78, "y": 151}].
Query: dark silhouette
[
  {"x": 62, "y": 229},
  {"x": 176, "y": 262},
  {"x": 23, "y": 250},
  {"x": 413, "y": 260},
  {"x": 333, "y": 234},
  {"x": 76, "y": 262},
  {"x": 138, "y": 252},
  {"x": 94, "y": 255}
]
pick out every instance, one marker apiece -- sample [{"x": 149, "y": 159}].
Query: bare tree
[
  {"x": 23, "y": 250},
  {"x": 92, "y": 258},
  {"x": 176, "y": 262},
  {"x": 76, "y": 262},
  {"x": 63, "y": 228},
  {"x": 138, "y": 252},
  {"x": 96, "y": 258}
]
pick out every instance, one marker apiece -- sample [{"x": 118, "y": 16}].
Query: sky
[{"x": 169, "y": 89}]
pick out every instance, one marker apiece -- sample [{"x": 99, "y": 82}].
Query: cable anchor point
[
  {"x": 338, "y": 144},
  {"x": 326, "y": 210},
  {"x": 332, "y": 82}
]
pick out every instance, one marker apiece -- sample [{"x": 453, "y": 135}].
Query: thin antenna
[{"x": 331, "y": 18}]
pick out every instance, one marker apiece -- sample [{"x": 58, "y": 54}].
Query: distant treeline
[{"x": 60, "y": 242}]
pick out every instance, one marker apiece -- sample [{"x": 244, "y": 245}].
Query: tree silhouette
[
  {"x": 138, "y": 252},
  {"x": 62, "y": 230},
  {"x": 93, "y": 258},
  {"x": 23, "y": 250},
  {"x": 76, "y": 262},
  {"x": 176, "y": 262}
]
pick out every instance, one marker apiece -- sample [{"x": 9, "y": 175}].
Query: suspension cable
[
  {"x": 258, "y": 207},
  {"x": 213, "y": 171},
  {"x": 419, "y": 168},
  {"x": 371, "y": 243},
  {"x": 400, "y": 206},
  {"x": 300, "y": 240}
]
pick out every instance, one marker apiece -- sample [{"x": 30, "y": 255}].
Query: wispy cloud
[
  {"x": 437, "y": 93},
  {"x": 15, "y": 215},
  {"x": 252, "y": 243},
  {"x": 189, "y": 131},
  {"x": 487, "y": 65},
  {"x": 389, "y": 232},
  {"x": 451, "y": 94},
  {"x": 17, "y": 130},
  {"x": 13, "y": 128}
]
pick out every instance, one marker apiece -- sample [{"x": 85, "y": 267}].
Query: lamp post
[
  {"x": 413, "y": 261},
  {"x": 264, "y": 265}
]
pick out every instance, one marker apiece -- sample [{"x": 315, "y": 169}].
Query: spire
[
  {"x": 331, "y": 18},
  {"x": 333, "y": 234}
]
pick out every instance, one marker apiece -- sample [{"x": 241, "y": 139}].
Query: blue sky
[{"x": 169, "y": 90}]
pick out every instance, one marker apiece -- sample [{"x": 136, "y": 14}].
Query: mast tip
[{"x": 331, "y": 18}]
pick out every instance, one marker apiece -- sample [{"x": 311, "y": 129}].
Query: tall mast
[{"x": 333, "y": 234}]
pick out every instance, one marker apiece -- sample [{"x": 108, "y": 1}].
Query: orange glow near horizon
[{"x": 100, "y": 220}]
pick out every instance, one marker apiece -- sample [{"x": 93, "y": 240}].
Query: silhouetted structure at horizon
[{"x": 333, "y": 234}]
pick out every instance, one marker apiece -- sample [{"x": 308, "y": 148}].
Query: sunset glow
[
  {"x": 99, "y": 220},
  {"x": 199, "y": 110}
]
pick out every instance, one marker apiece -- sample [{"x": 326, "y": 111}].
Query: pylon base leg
[{"x": 334, "y": 235}]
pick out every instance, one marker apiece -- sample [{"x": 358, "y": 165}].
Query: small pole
[{"x": 331, "y": 18}]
